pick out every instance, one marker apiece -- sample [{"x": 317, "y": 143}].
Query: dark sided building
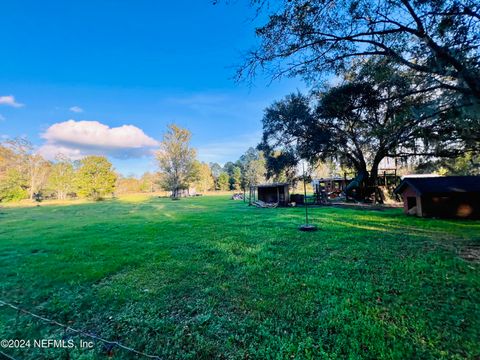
[
  {"x": 443, "y": 196},
  {"x": 273, "y": 193}
]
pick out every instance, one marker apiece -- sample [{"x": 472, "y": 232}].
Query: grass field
[{"x": 207, "y": 278}]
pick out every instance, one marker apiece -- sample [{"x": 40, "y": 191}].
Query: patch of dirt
[{"x": 470, "y": 253}]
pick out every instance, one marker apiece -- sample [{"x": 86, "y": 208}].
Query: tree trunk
[
  {"x": 371, "y": 182},
  {"x": 368, "y": 186}
]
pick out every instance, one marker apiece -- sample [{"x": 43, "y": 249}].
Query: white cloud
[
  {"x": 2, "y": 118},
  {"x": 9, "y": 100},
  {"x": 51, "y": 151},
  {"x": 80, "y": 138},
  {"x": 76, "y": 109}
]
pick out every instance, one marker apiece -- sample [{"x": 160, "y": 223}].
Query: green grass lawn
[{"x": 207, "y": 278}]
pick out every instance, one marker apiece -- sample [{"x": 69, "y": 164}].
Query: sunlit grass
[{"x": 208, "y": 277}]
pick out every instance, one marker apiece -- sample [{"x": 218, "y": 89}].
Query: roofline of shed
[
  {"x": 405, "y": 182},
  {"x": 270, "y": 185}
]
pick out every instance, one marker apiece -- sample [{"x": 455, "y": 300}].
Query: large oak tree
[
  {"x": 360, "y": 122},
  {"x": 437, "y": 41}
]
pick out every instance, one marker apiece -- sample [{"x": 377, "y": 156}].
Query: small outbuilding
[
  {"x": 277, "y": 193},
  {"x": 332, "y": 186},
  {"x": 444, "y": 196}
]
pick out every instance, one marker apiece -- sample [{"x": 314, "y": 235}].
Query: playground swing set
[
  {"x": 354, "y": 188},
  {"x": 351, "y": 185}
]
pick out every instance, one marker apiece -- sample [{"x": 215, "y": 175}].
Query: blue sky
[{"x": 91, "y": 76}]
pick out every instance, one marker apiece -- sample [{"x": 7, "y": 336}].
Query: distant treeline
[{"x": 24, "y": 174}]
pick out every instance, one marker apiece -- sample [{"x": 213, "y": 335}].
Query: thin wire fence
[
  {"x": 111, "y": 344},
  {"x": 7, "y": 356}
]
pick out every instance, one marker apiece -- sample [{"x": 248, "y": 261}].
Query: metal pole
[
  {"x": 306, "y": 226},
  {"x": 305, "y": 194}
]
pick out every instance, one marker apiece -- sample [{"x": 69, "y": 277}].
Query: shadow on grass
[{"x": 209, "y": 277}]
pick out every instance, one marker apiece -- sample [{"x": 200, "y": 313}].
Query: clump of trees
[
  {"x": 62, "y": 178},
  {"x": 249, "y": 169},
  {"x": 12, "y": 181},
  {"x": 204, "y": 180},
  {"x": 95, "y": 177},
  {"x": 22, "y": 173},
  {"x": 25, "y": 174},
  {"x": 407, "y": 83},
  {"x": 437, "y": 40},
  {"x": 359, "y": 123},
  {"x": 180, "y": 170},
  {"x": 147, "y": 183},
  {"x": 223, "y": 182}
]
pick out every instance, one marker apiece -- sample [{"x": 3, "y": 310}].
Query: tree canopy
[
  {"x": 176, "y": 160},
  {"x": 223, "y": 182},
  {"x": 95, "y": 177},
  {"x": 25, "y": 173},
  {"x": 438, "y": 39},
  {"x": 62, "y": 177},
  {"x": 435, "y": 44},
  {"x": 359, "y": 122},
  {"x": 204, "y": 180}
]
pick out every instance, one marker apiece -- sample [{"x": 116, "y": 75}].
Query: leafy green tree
[
  {"x": 438, "y": 40},
  {"x": 38, "y": 170},
  {"x": 13, "y": 185},
  {"x": 237, "y": 178},
  {"x": 467, "y": 164},
  {"x": 204, "y": 181},
  {"x": 223, "y": 181},
  {"x": 250, "y": 154},
  {"x": 176, "y": 160},
  {"x": 6, "y": 156},
  {"x": 281, "y": 166},
  {"x": 228, "y": 167},
  {"x": 255, "y": 167},
  {"x": 30, "y": 168},
  {"x": 96, "y": 177},
  {"x": 216, "y": 170},
  {"x": 62, "y": 177},
  {"x": 13, "y": 182},
  {"x": 359, "y": 123}
]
